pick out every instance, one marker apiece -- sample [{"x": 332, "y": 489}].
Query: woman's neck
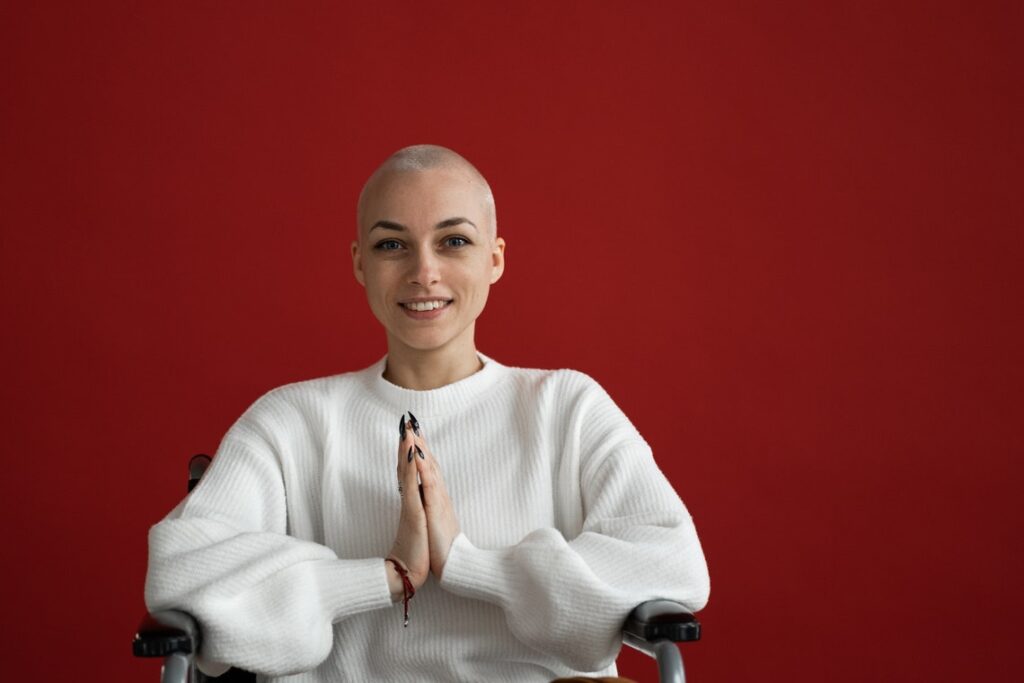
[{"x": 423, "y": 370}]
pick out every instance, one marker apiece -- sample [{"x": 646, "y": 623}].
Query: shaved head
[
  {"x": 421, "y": 158},
  {"x": 426, "y": 232}
]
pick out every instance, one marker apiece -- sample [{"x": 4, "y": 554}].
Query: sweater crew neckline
[{"x": 434, "y": 402}]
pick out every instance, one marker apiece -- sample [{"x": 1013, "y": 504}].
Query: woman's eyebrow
[
  {"x": 388, "y": 225},
  {"x": 446, "y": 223},
  {"x": 449, "y": 222}
]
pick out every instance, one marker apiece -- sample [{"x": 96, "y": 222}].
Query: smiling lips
[
  {"x": 425, "y": 310},
  {"x": 426, "y": 305}
]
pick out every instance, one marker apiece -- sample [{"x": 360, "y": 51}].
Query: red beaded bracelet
[{"x": 407, "y": 590}]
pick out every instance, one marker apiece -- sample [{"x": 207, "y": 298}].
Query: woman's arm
[
  {"x": 265, "y": 601},
  {"x": 569, "y": 597}
]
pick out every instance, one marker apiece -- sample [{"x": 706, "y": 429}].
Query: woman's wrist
[
  {"x": 408, "y": 590},
  {"x": 395, "y": 584}
]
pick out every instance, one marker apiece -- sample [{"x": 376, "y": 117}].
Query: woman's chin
[
  {"x": 423, "y": 340},
  {"x": 429, "y": 338}
]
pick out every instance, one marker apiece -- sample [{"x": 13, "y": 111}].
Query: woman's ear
[
  {"x": 357, "y": 264},
  {"x": 497, "y": 260}
]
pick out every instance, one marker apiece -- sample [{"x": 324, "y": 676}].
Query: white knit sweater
[{"x": 567, "y": 524}]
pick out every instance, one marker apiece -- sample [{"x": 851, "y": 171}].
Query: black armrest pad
[
  {"x": 162, "y": 633},
  {"x": 658, "y": 619}
]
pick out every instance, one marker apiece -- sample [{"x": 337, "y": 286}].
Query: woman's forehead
[{"x": 423, "y": 198}]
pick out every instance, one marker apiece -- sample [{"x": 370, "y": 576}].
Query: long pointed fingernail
[
  {"x": 401, "y": 428},
  {"x": 415, "y": 423},
  {"x": 418, "y": 451},
  {"x": 410, "y": 453}
]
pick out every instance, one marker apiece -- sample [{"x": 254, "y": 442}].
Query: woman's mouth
[{"x": 426, "y": 310}]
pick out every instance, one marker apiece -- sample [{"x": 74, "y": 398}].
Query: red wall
[{"x": 786, "y": 237}]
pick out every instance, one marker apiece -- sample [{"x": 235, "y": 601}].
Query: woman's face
[{"x": 426, "y": 237}]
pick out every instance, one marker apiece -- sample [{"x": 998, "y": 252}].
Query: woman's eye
[
  {"x": 387, "y": 245},
  {"x": 454, "y": 241}
]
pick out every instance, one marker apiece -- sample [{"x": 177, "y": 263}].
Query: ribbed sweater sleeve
[
  {"x": 569, "y": 597},
  {"x": 264, "y": 600}
]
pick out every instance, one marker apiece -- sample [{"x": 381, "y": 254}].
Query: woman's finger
[
  {"x": 410, "y": 484},
  {"x": 406, "y": 468},
  {"x": 432, "y": 467},
  {"x": 430, "y": 475},
  {"x": 424, "y": 452},
  {"x": 414, "y": 424}
]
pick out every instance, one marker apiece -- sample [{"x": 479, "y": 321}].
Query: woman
[{"x": 520, "y": 522}]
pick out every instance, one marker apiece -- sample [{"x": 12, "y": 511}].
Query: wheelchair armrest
[
  {"x": 662, "y": 619},
  {"x": 166, "y": 632}
]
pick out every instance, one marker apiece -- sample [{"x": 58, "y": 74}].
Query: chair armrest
[
  {"x": 164, "y": 633},
  {"x": 662, "y": 619}
]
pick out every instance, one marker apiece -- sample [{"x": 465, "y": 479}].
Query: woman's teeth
[{"x": 426, "y": 305}]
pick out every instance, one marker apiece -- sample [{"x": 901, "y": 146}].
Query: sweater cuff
[
  {"x": 478, "y": 573},
  {"x": 348, "y": 587}
]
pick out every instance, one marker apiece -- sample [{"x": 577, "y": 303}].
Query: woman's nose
[{"x": 426, "y": 269}]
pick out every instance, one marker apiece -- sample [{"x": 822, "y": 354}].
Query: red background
[{"x": 784, "y": 236}]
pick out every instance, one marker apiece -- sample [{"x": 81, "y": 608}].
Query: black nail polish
[
  {"x": 422, "y": 457},
  {"x": 415, "y": 423},
  {"x": 401, "y": 428},
  {"x": 410, "y": 453}
]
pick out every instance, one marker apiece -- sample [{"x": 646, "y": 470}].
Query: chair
[{"x": 653, "y": 627}]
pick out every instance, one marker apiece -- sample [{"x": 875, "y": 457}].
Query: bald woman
[{"x": 504, "y": 532}]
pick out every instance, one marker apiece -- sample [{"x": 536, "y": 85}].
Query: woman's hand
[
  {"x": 411, "y": 546},
  {"x": 442, "y": 524}
]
